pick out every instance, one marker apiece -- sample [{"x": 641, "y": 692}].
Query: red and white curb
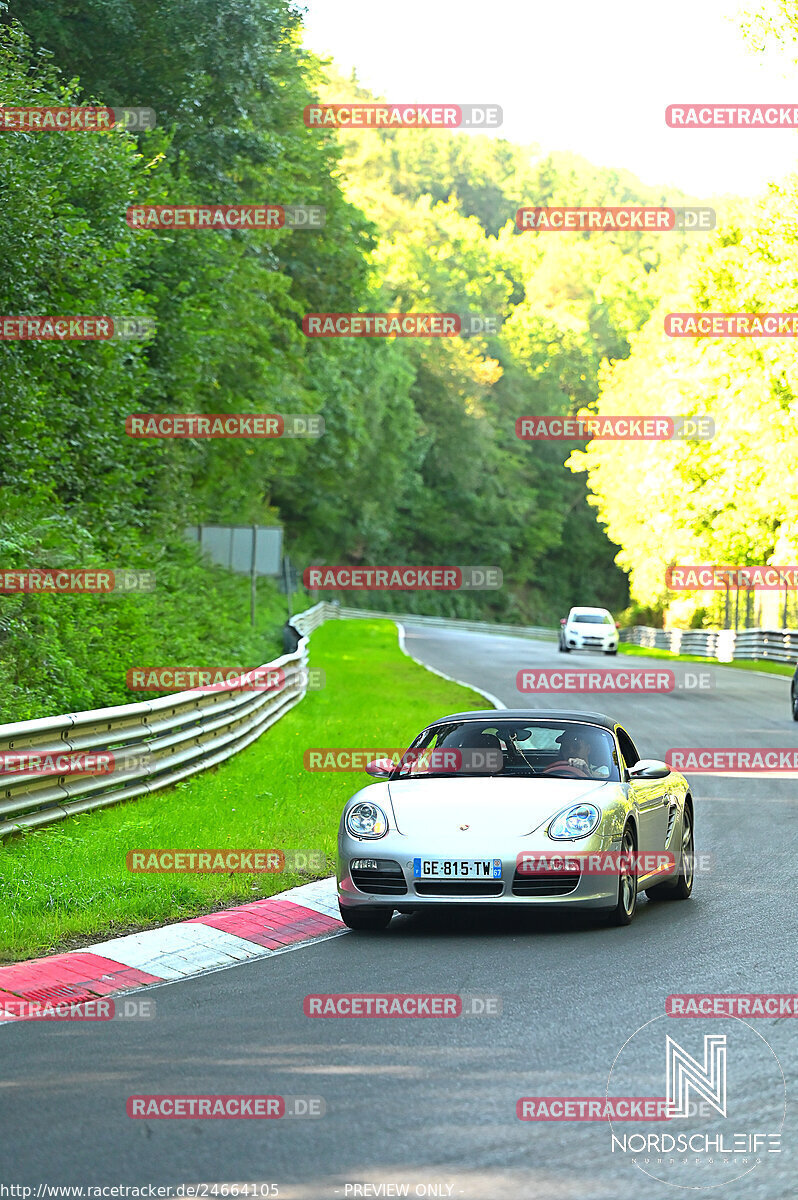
[{"x": 257, "y": 930}]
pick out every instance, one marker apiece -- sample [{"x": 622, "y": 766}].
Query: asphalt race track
[{"x": 432, "y": 1102}]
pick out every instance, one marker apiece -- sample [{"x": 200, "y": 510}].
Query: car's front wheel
[
  {"x": 366, "y": 918},
  {"x": 626, "y": 906},
  {"x": 611, "y": 651},
  {"x": 794, "y": 702}
]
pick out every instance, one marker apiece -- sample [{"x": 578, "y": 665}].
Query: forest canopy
[{"x": 419, "y": 462}]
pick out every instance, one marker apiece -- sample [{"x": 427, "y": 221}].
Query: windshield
[
  {"x": 583, "y": 618},
  {"x": 490, "y": 747}
]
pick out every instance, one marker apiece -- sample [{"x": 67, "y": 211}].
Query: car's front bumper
[
  {"x": 581, "y": 641},
  {"x": 590, "y": 891}
]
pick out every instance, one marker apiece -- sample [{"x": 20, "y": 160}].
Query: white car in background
[{"x": 589, "y": 629}]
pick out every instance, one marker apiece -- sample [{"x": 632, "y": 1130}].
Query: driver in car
[{"x": 578, "y": 749}]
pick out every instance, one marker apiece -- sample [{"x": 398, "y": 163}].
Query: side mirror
[
  {"x": 563, "y": 620},
  {"x": 617, "y": 625},
  {"x": 649, "y": 768},
  {"x": 380, "y": 768}
]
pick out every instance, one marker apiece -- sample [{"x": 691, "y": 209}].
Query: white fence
[
  {"x": 776, "y": 645},
  {"x": 154, "y": 743}
]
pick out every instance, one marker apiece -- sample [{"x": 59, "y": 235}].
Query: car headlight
[
  {"x": 366, "y": 820},
  {"x": 575, "y": 822}
]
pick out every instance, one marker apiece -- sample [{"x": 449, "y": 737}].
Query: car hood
[{"x": 511, "y": 807}]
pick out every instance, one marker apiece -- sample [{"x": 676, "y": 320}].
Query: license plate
[{"x": 457, "y": 868}]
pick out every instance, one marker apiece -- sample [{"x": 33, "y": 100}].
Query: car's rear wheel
[
  {"x": 626, "y": 906},
  {"x": 681, "y": 887},
  {"x": 366, "y": 918}
]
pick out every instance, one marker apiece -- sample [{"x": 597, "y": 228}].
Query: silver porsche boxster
[{"x": 518, "y": 807}]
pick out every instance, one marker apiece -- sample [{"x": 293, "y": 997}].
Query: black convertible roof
[{"x": 530, "y": 714}]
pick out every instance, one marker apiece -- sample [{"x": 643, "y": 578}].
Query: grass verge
[
  {"x": 743, "y": 664},
  {"x": 68, "y": 884}
]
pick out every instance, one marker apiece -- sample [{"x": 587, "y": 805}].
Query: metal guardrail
[
  {"x": 774, "y": 645},
  {"x": 155, "y": 743},
  {"x": 533, "y": 631},
  {"x": 309, "y": 620}
]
